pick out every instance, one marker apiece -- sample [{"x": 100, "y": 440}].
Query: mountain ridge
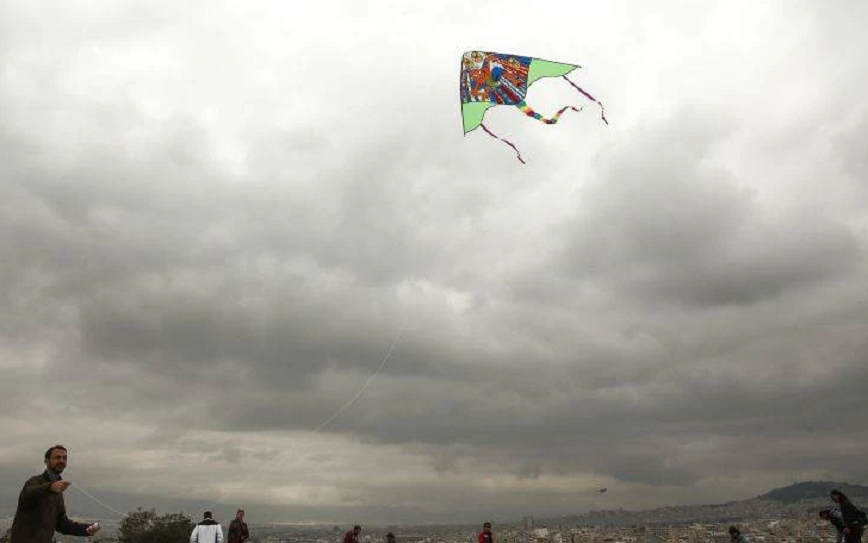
[{"x": 794, "y": 500}]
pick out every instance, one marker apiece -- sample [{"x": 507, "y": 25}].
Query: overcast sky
[{"x": 216, "y": 217}]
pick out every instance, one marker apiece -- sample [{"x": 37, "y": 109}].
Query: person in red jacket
[
  {"x": 353, "y": 535},
  {"x": 238, "y": 532},
  {"x": 486, "y": 536}
]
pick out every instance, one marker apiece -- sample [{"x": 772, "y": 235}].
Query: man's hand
[
  {"x": 93, "y": 528},
  {"x": 59, "y": 486}
]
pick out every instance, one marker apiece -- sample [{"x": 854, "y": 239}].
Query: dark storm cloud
[{"x": 660, "y": 223}]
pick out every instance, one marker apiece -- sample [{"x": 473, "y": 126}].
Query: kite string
[
  {"x": 97, "y": 501},
  {"x": 343, "y": 407},
  {"x": 368, "y": 382},
  {"x": 490, "y": 133},
  {"x": 591, "y": 98},
  {"x": 319, "y": 428}
]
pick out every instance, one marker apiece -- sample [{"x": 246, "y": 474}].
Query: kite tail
[
  {"x": 490, "y": 133},
  {"x": 589, "y": 97},
  {"x": 526, "y": 109}
]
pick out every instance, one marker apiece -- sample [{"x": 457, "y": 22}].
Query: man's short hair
[
  {"x": 207, "y": 514},
  {"x": 51, "y": 450}
]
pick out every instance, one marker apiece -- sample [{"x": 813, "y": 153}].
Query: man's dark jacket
[{"x": 40, "y": 513}]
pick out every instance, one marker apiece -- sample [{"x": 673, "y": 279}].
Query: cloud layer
[{"x": 216, "y": 219}]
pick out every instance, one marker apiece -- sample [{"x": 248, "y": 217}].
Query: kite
[
  {"x": 603, "y": 490},
  {"x": 491, "y": 79}
]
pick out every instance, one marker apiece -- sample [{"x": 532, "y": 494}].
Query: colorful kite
[{"x": 491, "y": 79}]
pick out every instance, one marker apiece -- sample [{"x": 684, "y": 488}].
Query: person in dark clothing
[
  {"x": 486, "y": 535},
  {"x": 854, "y": 519},
  {"x": 735, "y": 535},
  {"x": 833, "y": 515},
  {"x": 41, "y": 510},
  {"x": 353, "y": 535},
  {"x": 390, "y": 538},
  {"x": 238, "y": 532}
]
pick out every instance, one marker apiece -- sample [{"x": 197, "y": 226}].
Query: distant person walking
[
  {"x": 207, "y": 531},
  {"x": 833, "y": 515},
  {"x": 353, "y": 535},
  {"x": 486, "y": 535},
  {"x": 41, "y": 510},
  {"x": 390, "y": 538},
  {"x": 735, "y": 535},
  {"x": 854, "y": 519},
  {"x": 238, "y": 532}
]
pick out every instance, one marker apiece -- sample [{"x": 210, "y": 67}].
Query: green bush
[{"x": 144, "y": 526}]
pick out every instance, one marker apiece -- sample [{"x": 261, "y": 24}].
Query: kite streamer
[
  {"x": 591, "y": 98},
  {"x": 526, "y": 109},
  {"x": 493, "y": 135}
]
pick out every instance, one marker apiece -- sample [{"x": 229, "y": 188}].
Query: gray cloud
[{"x": 663, "y": 225}]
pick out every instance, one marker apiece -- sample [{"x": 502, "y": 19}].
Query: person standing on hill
[
  {"x": 833, "y": 515},
  {"x": 207, "y": 531},
  {"x": 486, "y": 535},
  {"x": 353, "y": 535},
  {"x": 735, "y": 535},
  {"x": 41, "y": 510},
  {"x": 854, "y": 519},
  {"x": 238, "y": 532}
]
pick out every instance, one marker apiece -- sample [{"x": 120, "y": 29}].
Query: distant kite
[
  {"x": 602, "y": 490},
  {"x": 491, "y": 79}
]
